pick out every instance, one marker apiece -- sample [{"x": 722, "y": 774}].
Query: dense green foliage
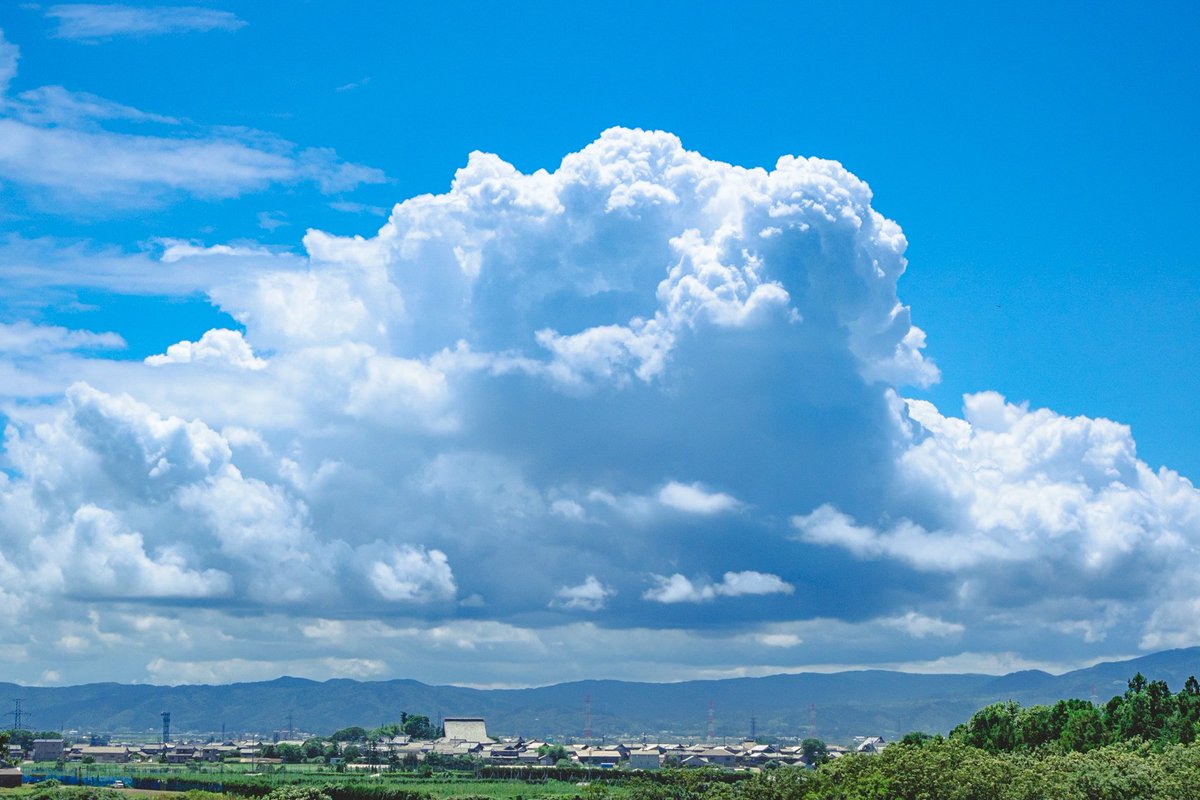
[
  {"x": 952, "y": 770},
  {"x": 415, "y": 726},
  {"x": 1147, "y": 711}
]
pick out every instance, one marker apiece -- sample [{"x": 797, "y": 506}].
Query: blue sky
[{"x": 542, "y": 439}]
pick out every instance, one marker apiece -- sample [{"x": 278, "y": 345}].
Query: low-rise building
[
  {"x": 718, "y": 756},
  {"x": 649, "y": 758},
  {"x": 599, "y": 757},
  {"x": 465, "y": 729},
  {"x": 47, "y": 749},
  {"x": 105, "y": 755}
]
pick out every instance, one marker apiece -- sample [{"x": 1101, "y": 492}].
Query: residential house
[
  {"x": 871, "y": 744},
  {"x": 718, "y": 757},
  {"x": 646, "y": 758}
]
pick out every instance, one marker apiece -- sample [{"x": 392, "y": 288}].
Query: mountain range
[{"x": 833, "y": 706}]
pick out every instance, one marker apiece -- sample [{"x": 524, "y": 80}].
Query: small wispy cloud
[
  {"x": 87, "y": 22},
  {"x": 349, "y": 207},
  {"x": 270, "y": 220},
  {"x": 346, "y": 87}
]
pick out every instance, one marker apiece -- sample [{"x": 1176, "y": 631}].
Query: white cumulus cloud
[
  {"x": 413, "y": 575},
  {"x": 526, "y": 406},
  {"x": 218, "y": 346},
  {"x": 679, "y": 589},
  {"x": 591, "y": 595},
  {"x": 693, "y": 499}
]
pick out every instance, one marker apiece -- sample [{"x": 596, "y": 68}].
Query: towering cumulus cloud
[{"x": 608, "y": 416}]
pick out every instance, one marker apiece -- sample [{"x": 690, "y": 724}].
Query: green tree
[
  {"x": 290, "y": 753},
  {"x": 352, "y": 734},
  {"x": 418, "y": 726},
  {"x": 992, "y": 728},
  {"x": 1083, "y": 730},
  {"x": 1143, "y": 711},
  {"x": 389, "y": 731},
  {"x": 915, "y": 738},
  {"x": 1035, "y": 727},
  {"x": 1186, "y": 719},
  {"x": 814, "y": 751},
  {"x": 555, "y": 751}
]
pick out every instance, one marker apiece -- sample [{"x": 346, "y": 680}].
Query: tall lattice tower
[
  {"x": 166, "y": 718},
  {"x": 19, "y": 716},
  {"x": 711, "y": 733}
]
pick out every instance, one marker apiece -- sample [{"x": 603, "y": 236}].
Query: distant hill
[{"x": 842, "y": 704}]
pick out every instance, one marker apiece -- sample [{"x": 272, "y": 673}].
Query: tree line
[
  {"x": 355, "y": 743},
  {"x": 1147, "y": 711}
]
